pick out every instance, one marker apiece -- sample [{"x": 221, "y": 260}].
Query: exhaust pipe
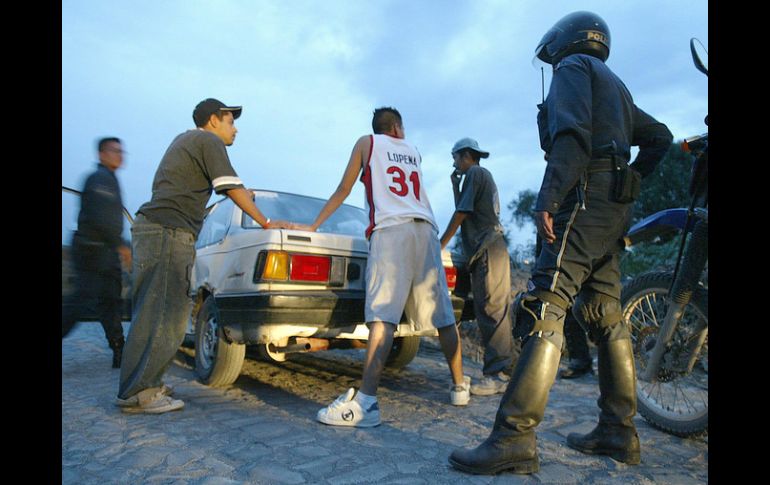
[
  {"x": 302, "y": 344},
  {"x": 308, "y": 344},
  {"x": 289, "y": 349}
]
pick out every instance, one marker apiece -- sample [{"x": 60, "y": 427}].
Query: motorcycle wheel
[{"x": 676, "y": 402}]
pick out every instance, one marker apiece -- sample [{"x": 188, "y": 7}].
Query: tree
[
  {"x": 523, "y": 212},
  {"x": 667, "y": 187},
  {"x": 523, "y": 207}
]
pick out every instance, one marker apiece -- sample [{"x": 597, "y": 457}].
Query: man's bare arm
[
  {"x": 454, "y": 223},
  {"x": 355, "y": 164}
]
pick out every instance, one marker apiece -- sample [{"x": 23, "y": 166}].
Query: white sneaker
[
  {"x": 488, "y": 385},
  {"x": 133, "y": 401},
  {"x": 460, "y": 394},
  {"x": 151, "y": 401},
  {"x": 345, "y": 411}
]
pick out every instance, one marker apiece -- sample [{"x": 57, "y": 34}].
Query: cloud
[{"x": 310, "y": 73}]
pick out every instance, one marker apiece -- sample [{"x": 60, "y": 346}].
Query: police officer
[
  {"x": 97, "y": 246},
  {"x": 587, "y": 125}
]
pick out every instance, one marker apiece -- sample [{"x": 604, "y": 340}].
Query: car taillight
[
  {"x": 305, "y": 267},
  {"x": 276, "y": 266},
  {"x": 451, "y": 277},
  {"x": 283, "y": 266}
]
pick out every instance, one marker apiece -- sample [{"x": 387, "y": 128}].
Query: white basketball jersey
[{"x": 393, "y": 180}]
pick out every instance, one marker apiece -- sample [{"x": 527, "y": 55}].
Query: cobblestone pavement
[{"x": 262, "y": 429}]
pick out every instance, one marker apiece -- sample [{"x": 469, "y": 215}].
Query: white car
[{"x": 282, "y": 290}]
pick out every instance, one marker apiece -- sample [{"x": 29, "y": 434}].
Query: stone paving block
[
  {"x": 558, "y": 474},
  {"x": 270, "y": 473},
  {"x": 370, "y": 474},
  {"x": 183, "y": 458},
  {"x": 219, "y": 481},
  {"x": 310, "y": 451},
  {"x": 216, "y": 466}
]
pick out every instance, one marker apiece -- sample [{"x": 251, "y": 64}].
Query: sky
[{"x": 309, "y": 74}]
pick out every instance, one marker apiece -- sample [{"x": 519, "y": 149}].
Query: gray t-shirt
[
  {"x": 480, "y": 200},
  {"x": 194, "y": 164}
]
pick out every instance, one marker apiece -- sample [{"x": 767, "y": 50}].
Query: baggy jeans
[
  {"x": 162, "y": 266},
  {"x": 491, "y": 285}
]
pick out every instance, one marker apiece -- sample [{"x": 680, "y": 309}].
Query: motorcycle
[{"x": 668, "y": 311}]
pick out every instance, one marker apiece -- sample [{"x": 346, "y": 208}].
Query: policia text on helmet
[{"x": 583, "y": 32}]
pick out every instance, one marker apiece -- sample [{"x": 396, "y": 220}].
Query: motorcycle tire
[{"x": 676, "y": 402}]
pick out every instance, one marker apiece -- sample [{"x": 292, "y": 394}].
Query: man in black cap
[
  {"x": 163, "y": 238},
  {"x": 477, "y": 213}
]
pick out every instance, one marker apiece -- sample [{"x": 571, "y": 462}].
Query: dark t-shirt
[
  {"x": 194, "y": 164},
  {"x": 480, "y": 200}
]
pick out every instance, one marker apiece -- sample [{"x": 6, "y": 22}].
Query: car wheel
[
  {"x": 217, "y": 361},
  {"x": 403, "y": 351}
]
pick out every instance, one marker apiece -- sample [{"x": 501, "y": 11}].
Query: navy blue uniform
[
  {"x": 98, "y": 281},
  {"x": 588, "y": 124},
  {"x": 587, "y": 109}
]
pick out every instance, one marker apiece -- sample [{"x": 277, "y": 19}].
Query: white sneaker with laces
[
  {"x": 460, "y": 394},
  {"x": 345, "y": 411}
]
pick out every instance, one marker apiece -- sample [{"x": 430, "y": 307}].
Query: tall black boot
[
  {"x": 117, "y": 351},
  {"x": 512, "y": 444},
  {"x": 615, "y": 435}
]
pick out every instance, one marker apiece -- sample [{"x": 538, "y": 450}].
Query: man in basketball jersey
[{"x": 404, "y": 270}]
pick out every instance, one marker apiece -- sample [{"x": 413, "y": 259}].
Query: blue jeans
[{"x": 162, "y": 265}]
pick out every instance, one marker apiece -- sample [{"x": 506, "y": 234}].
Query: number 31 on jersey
[{"x": 401, "y": 187}]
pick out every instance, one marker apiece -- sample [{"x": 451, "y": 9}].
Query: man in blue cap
[{"x": 478, "y": 215}]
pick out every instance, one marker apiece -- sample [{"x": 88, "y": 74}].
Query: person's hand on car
[
  {"x": 279, "y": 224},
  {"x": 303, "y": 227}
]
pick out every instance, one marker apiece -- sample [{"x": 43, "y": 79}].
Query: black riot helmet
[{"x": 583, "y": 32}]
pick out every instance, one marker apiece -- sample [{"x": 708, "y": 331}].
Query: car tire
[
  {"x": 217, "y": 361},
  {"x": 403, "y": 352}
]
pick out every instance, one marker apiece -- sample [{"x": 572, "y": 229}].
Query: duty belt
[{"x": 601, "y": 165}]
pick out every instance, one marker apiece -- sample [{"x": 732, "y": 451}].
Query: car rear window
[{"x": 347, "y": 219}]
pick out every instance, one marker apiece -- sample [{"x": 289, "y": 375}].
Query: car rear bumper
[{"x": 323, "y": 309}]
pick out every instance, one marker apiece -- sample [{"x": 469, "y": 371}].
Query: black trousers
[
  {"x": 97, "y": 290},
  {"x": 585, "y": 258}
]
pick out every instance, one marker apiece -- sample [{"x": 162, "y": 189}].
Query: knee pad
[
  {"x": 601, "y": 316},
  {"x": 532, "y": 316}
]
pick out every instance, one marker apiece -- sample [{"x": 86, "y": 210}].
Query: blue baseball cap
[{"x": 469, "y": 143}]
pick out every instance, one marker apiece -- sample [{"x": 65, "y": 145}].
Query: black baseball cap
[{"x": 208, "y": 107}]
